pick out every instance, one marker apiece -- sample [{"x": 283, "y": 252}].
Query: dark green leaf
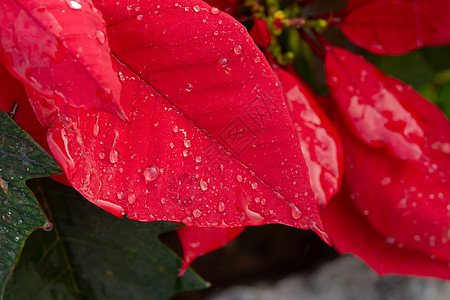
[
  {"x": 90, "y": 254},
  {"x": 20, "y": 159}
]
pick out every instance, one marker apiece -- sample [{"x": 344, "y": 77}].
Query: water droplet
[
  {"x": 237, "y": 49},
  {"x": 151, "y": 173},
  {"x": 120, "y": 195},
  {"x": 187, "y": 143},
  {"x": 333, "y": 81},
  {"x": 131, "y": 198},
  {"x": 100, "y": 36},
  {"x": 254, "y": 185},
  {"x": 216, "y": 32},
  {"x": 295, "y": 212},
  {"x": 16, "y": 238},
  {"x": 221, "y": 206},
  {"x": 349, "y": 88},
  {"x": 113, "y": 156},
  {"x": 242, "y": 30},
  {"x": 102, "y": 155},
  {"x": 96, "y": 129},
  {"x": 223, "y": 62},
  {"x": 185, "y": 152},
  {"x": 198, "y": 159},
  {"x": 171, "y": 145},
  {"x": 257, "y": 59},
  {"x": 74, "y": 4},
  {"x": 203, "y": 185},
  {"x": 139, "y": 17},
  {"x": 121, "y": 77},
  {"x": 197, "y": 213},
  {"x": 386, "y": 180},
  {"x": 239, "y": 178},
  {"x": 189, "y": 87},
  {"x": 129, "y": 7},
  {"x": 196, "y": 8},
  {"x": 215, "y": 10},
  {"x": 175, "y": 128}
]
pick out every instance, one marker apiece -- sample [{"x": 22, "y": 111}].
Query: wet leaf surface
[
  {"x": 20, "y": 159},
  {"x": 376, "y": 107},
  {"x": 213, "y": 145},
  {"x": 390, "y": 27},
  {"x": 90, "y": 254},
  {"x": 44, "y": 43}
]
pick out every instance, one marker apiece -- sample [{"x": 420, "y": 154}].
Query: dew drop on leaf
[
  {"x": 131, "y": 198},
  {"x": 113, "y": 156},
  {"x": 151, "y": 173},
  {"x": 120, "y": 195},
  {"x": 221, "y": 207},
  {"x": 187, "y": 143},
  {"x": 196, "y": 8},
  {"x": 257, "y": 59},
  {"x": 100, "y": 36},
  {"x": 223, "y": 62},
  {"x": 254, "y": 185},
  {"x": 295, "y": 212},
  {"x": 203, "y": 185},
  {"x": 197, "y": 213},
  {"x": 237, "y": 49},
  {"x": 189, "y": 87},
  {"x": 139, "y": 17},
  {"x": 215, "y": 10},
  {"x": 239, "y": 178},
  {"x": 74, "y": 4}
]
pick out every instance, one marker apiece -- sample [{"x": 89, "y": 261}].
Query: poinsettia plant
[{"x": 196, "y": 113}]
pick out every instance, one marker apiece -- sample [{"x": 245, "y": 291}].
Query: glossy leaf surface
[
  {"x": 163, "y": 165},
  {"x": 396, "y": 27},
  {"x": 376, "y": 107},
  {"x": 60, "y": 49},
  {"x": 404, "y": 201},
  {"x": 319, "y": 140},
  {"x": 90, "y": 254},
  {"x": 20, "y": 159},
  {"x": 197, "y": 241},
  {"x": 351, "y": 232}
]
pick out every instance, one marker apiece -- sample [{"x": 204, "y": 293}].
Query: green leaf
[
  {"x": 20, "y": 159},
  {"x": 90, "y": 254}
]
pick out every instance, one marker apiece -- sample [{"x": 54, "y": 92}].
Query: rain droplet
[
  {"x": 197, "y": 213},
  {"x": 203, "y": 185},
  {"x": 242, "y": 30},
  {"x": 185, "y": 152},
  {"x": 216, "y": 32},
  {"x": 295, "y": 212},
  {"x": 129, "y": 7},
  {"x": 254, "y": 185},
  {"x": 139, "y": 17},
  {"x": 171, "y": 145},
  {"x": 102, "y": 155},
  {"x": 113, "y": 156},
  {"x": 120, "y": 195},
  {"x": 237, "y": 49},
  {"x": 175, "y": 128},
  {"x": 189, "y": 87},
  {"x": 151, "y": 173},
  {"x": 257, "y": 59},
  {"x": 386, "y": 180},
  {"x": 131, "y": 198},
  {"x": 196, "y": 8},
  {"x": 223, "y": 62},
  {"x": 221, "y": 206},
  {"x": 74, "y": 4},
  {"x": 239, "y": 178},
  {"x": 215, "y": 10},
  {"x": 187, "y": 143},
  {"x": 198, "y": 159},
  {"x": 100, "y": 36}
]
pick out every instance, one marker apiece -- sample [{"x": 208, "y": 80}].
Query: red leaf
[
  {"x": 260, "y": 33},
  {"x": 319, "y": 140},
  {"x": 163, "y": 165},
  {"x": 199, "y": 241},
  {"x": 321, "y": 148},
  {"x": 13, "y": 99},
  {"x": 396, "y": 26},
  {"x": 376, "y": 107},
  {"x": 351, "y": 232},
  {"x": 45, "y": 43},
  {"x": 406, "y": 203}
]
